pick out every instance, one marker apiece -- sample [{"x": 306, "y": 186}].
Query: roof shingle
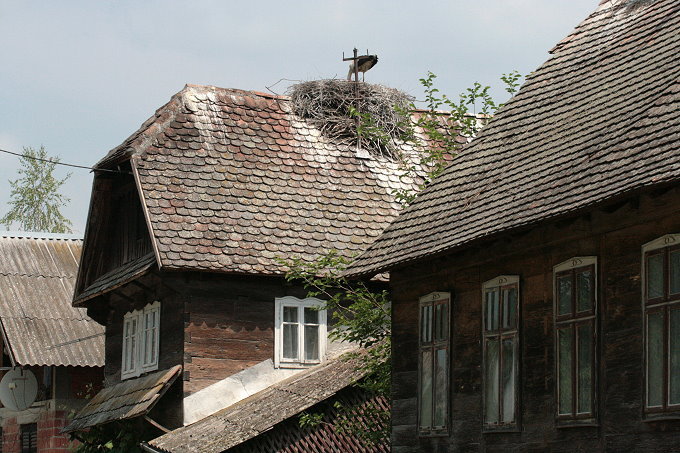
[
  {"x": 598, "y": 119},
  {"x": 258, "y": 413},
  {"x": 232, "y": 179}
]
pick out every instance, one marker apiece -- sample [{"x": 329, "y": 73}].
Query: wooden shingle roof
[
  {"x": 231, "y": 179},
  {"x": 260, "y": 412},
  {"x": 597, "y": 120},
  {"x": 127, "y": 399}
]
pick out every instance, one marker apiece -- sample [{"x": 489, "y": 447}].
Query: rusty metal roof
[
  {"x": 128, "y": 399},
  {"x": 260, "y": 412},
  {"x": 37, "y": 275}
]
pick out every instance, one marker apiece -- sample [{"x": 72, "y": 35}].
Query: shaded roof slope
[
  {"x": 258, "y": 413},
  {"x": 37, "y": 276},
  {"x": 598, "y": 119},
  {"x": 231, "y": 179}
]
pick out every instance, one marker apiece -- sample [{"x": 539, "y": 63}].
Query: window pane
[
  {"x": 441, "y": 388},
  {"x": 564, "y": 294},
  {"x": 426, "y": 323},
  {"x": 585, "y": 368},
  {"x": 132, "y": 354},
  {"x": 311, "y": 316},
  {"x": 674, "y": 378},
  {"x": 654, "y": 359},
  {"x": 492, "y": 309},
  {"x": 290, "y": 314},
  {"x": 564, "y": 378},
  {"x": 441, "y": 322},
  {"x": 508, "y": 380},
  {"x": 311, "y": 343},
  {"x": 675, "y": 272},
  {"x": 585, "y": 289},
  {"x": 426, "y": 390},
  {"x": 491, "y": 382},
  {"x": 655, "y": 276},
  {"x": 290, "y": 341},
  {"x": 510, "y": 308}
]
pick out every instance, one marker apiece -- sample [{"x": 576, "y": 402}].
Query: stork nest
[{"x": 379, "y": 117}]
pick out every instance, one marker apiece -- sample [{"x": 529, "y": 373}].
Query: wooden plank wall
[
  {"x": 229, "y": 325},
  {"x": 133, "y": 297},
  {"x": 615, "y": 235}
]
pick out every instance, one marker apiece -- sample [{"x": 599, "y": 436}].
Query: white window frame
[
  {"x": 577, "y": 319},
  {"x": 141, "y": 348},
  {"x": 500, "y": 334},
  {"x": 664, "y": 304},
  {"x": 300, "y": 304}
]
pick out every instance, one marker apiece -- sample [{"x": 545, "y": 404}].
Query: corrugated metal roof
[
  {"x": 37, "y": 276},
  {"x": 127, "y": 399},
  {"x": 254, "y": 415}
]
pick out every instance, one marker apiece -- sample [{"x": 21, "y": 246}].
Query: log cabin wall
[
  {"x": 228, "y": 325},
  {"x": 615, "y": 234},
  {"x": 133, "y": 297}
]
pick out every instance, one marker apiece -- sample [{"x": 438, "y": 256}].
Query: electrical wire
[{"x": 62, "y": 163}]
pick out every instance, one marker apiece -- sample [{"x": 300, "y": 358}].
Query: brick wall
[{"x": 49, "y": 424}]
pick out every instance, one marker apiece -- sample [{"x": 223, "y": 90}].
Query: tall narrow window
[
  {"x": 501, "y": 338},
  {"x": 140, "y": 340},
  {"x": 433, "y": 394},
  {"x": 661, "y": 305},
  {"x": 300, "y": 331},
  {"x": 575, "y": 301}
]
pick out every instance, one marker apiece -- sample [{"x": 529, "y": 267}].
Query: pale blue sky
[{"x": 80, "y": 76}]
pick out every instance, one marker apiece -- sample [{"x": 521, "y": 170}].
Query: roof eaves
[{"x": 142, "y": 199}]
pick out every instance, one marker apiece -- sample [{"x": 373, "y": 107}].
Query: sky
[{"x": 80, "y": 76}]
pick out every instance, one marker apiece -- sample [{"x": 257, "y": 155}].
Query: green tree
[{"x": 35, "y": 201}]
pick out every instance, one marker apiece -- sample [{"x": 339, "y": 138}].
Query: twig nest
[{"x": 380, "y": 115}]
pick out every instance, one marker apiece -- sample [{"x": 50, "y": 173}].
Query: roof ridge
[
  {"x": 40, "y": 235},
  {"x": 238, "y": 90},
  {"x": 21, "y": 274}
]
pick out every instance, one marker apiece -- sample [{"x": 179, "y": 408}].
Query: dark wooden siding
[
  {"x": 135, "y": 296},
  {"x": 615, "y": 235},
  {"x": 229, "y": 325},
  {"x": 117, "y": 233}
]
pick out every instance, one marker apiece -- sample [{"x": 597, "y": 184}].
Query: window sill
[
  {"x": 289, "y": 365},
  {"x": 661, "y": 417},
  {"x": 576, "y": 424},
  {"x": 501, "y": 429},
  {"x": 426, "y": 434},
  {"x": 136, "y": 374}
]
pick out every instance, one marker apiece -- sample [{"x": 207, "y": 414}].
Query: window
[
  {"x": 433, "y": 380},
  {"x": 661, "y": 306},
  {"x": 300, "y": 331},
  {"x": 501, "y": 337},
  {"x": 29, "y": 438},
  {"x": 140, "y": 340},
  {"x": 575, "y": 305}
]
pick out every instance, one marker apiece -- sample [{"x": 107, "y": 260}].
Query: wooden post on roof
[{"x": 355, "y": 64}]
